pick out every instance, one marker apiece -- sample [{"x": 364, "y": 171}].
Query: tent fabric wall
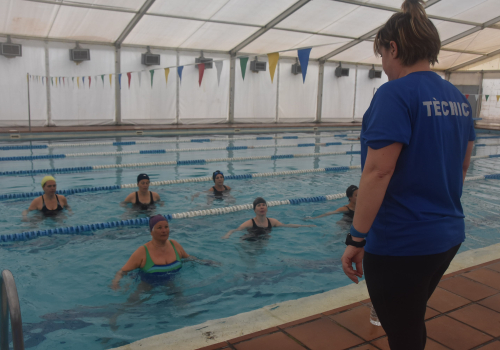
[
  {"x": 491, "y": 86},
  {"x": 141, "y": 103},
  {"x": 255, "y": 97},
  {"x": 457, "y": 78},
  {"x": 365, "y": 89},
  {"x": 14, "y": 86},
  {"x": 297, "y": 99},
  {"x": 77, "y": 103},
  {"x": 208, "y": 103},
  {"x": 338, "y": 94}
]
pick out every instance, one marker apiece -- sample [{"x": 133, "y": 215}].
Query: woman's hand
[{"x": 352, "y": 255}]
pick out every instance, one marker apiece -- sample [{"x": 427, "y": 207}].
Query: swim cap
[
  {"x": 47, "y": 178},
  {"x": 142, "y": 177},
  {"x": 153, "y": 220},
  {"x": 258, "y": 200},
  {"x": 350, "y": 191},
  {"x": 216, "y": 172}
]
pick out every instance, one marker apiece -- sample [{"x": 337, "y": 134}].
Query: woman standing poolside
[
  {"x": 261, "y": 225},
  {"x": 144, "y": 198},
  {"x": 416, "y": 142},
  {"x": 49, "y": 203}
]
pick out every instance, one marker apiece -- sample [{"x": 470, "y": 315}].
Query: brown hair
[{"x": 415, "y": 35}]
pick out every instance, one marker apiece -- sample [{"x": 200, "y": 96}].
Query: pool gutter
[{"x": 216, "y": 331}]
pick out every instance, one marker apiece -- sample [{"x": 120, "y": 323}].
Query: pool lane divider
[
  {"x": 131, "y": 143},
  {"x": 188, "y": 180},
  {"x": 172, "y": 150},
  {"x": 179, "y": 162},
  {"x": 89, "y": 228}
]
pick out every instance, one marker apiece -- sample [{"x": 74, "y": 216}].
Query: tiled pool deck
[{"x": 463, "y": 313}]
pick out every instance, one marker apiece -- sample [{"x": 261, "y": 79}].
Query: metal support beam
[
  {"x": 475, "y": 60},
  {"x": 49, "y": 121},
  {"x": 118, "y": 96},
  {"x": 319, "y": 106},
  {"x": 350, "y": 44},
  {"x": 470, "y": 31},
  {"x": 480, "y": 99},
  {"x": 130, "y": 26},
  {"x": 355, "y": 93},
  {"x": 277, "y": 118},
  {"x": 270, "y": 25},
  {"x": 232, "y": 85},
  {"x": 177, "y": 90}
]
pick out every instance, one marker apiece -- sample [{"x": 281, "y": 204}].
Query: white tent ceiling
[{"x": 338, "y": 30}]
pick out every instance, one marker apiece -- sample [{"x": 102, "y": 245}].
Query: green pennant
[
  {"x": 487, "y": 97},
  {"x": 152, "y": 71},
  {"x": 73, "y": 79},
  {"x": 52, "y": 81},
  {"x": 102, "y": 78},
  {"x": 243, "y": 64}
]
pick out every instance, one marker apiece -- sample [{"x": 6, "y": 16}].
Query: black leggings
[{"x": 399, "y": 288}]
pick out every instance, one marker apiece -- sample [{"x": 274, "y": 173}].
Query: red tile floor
[{"x": 463, "y": 313}]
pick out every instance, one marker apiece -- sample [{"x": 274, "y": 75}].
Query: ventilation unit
[
  {"x": 78, "y": 54},
  {"x": 209, "y": 62},
  {"x": 150, "y": 59},
  {"x": 258, "y": 66},
  {"x": 10, "y": 50},
  {"x": 341, "y": 72},
  {"x": 372, "y": 73},
  {"x": 296, "y": 68}
]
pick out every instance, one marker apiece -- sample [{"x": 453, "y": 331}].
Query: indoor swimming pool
[{"x": 63, "y": 280}]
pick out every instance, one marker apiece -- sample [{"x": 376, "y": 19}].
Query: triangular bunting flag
[
  {"x": 129, "y": 75},
  {"x": 110, "y": 79},
  {"x": 43, "y": 80},
  {"x": 498, "y": 97},
  {"x": 120, "y": 80},
  {"x": 56, "y": 81},
  {"x": 152, "y": 72},
  {"x": 476, "y": 96},
  {"x": 59, "y": 80},
  {"x": 487, "y": 97},
  {"x": 201, "y": 70},
  {"x": 90, "y": 79},
  {"x": 83, "y": 81},
  {"x": 179, "y": 71},
  {"x": 102, "y": 78},
  {"x": 467, "y": 96},
  {"x": 52, "y": 81},
  {"x": 243, "y": 65},
  {"x": 78, "y": 81},
  {"x": 218, "y": 66},
  {"x": 304, "y": 61},
  {"x": 167, "y": 71},
  {"x": 64, "y": 81},
  {"x": 139, "y": 73},
  {"x": 273, "y": 62}
]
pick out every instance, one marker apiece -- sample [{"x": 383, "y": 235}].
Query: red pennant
[
  {"x": 201, "y": 70},
  {"x": 90, "y": 78},
  {"x": 467, "y": 96},
  {"x": 129, "y": 75}
]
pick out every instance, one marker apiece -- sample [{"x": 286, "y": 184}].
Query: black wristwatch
[{"x": 350, "y": 241}]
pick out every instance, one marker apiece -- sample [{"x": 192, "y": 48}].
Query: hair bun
[{"x": 416, "y": 8}]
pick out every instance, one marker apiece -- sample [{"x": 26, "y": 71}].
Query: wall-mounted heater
[
  {"x": 341, "y": 72},
  {"x": 78, "y": 54},
  {"x": 150, "y": 59},
  {"x": 372, "y": 73},
  {"x": 11, "y": 50},
  {"x": 258, "y": 66},
  {"x": 296, "y": 68},
  {"x": 209, "y": 62}
]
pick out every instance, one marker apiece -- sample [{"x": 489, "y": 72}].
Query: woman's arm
[
  {"x": 156, "y": 197},
  {"x": 184, "y": 255},
  {"x": 468, "y": 153},
  {"x": 339, "y": 210},
  {"x": 129, "y": 198},
  {"x": 276, "y": 223},
  {"x": 134, "y": 262},
  {"x": 378, "y": 170},
  {"x": 33, "y": 206},
  {"x": 243, "y": 226}
]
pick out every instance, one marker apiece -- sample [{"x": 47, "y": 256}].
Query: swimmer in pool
[
  {"x": 49, "y": 203},
  {"x": 144, "y": 198},
  {"x": 347, "y": 210},
  {"x": 159, "y": 257},
  {"x": 261, "y": 225},
  {"x": 219, "y": 189}
]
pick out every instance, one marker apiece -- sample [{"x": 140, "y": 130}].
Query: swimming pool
[{"x": 63, "y": 280}]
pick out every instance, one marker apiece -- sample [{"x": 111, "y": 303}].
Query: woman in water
[
  {"x": 416, "y": 143},
  {"x": 48, "y": 203},
  {"x": 347, "y": 210},
  {"x": 261, "y": 225},
  {"x": 158, "y": 258},
  {"x": 144, "y": 198},
  {"x": 219, "y": 188}
]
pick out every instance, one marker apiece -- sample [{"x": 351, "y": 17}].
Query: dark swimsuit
[
  {"x": 218, "y": 194},
  {"x": 258, "y": 232},
  {"x": 142, "y": 205},
  {"x": 51, "y": 212},
  {"x": 349, "y": 213}
]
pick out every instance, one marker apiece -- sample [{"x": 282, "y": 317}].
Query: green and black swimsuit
[{"x": 150, "y": 269}]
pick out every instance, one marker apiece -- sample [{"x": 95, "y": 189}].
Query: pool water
[{"x": 63, "y": 280}]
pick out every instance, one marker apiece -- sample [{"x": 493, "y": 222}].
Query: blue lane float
[
  {"x": 63, "y": 192},
  {"x": 47, "y": 171},
  {"x": 8, "y": 148},
  {"x": 125, "y": 143},
  {"x": 47, "y": 156}
]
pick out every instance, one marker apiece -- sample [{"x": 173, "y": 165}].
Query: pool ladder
[{"x": 10, "y": 305}]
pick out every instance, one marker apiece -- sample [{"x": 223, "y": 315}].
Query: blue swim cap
[{"x": 216, "y": 172}]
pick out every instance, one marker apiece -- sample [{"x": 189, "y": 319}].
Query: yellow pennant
[
  {"x": 56, "y": 81},
  {"x": 498, "y": 97},
  {"x": 78, "y": 81},
  {"x": 167, "y": 70},
  {"x": 273, "y": 62},
  {"x": 110, "y": 79}
]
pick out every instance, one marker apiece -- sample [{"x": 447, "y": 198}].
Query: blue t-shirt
[{"x": 421, "y": 212}]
